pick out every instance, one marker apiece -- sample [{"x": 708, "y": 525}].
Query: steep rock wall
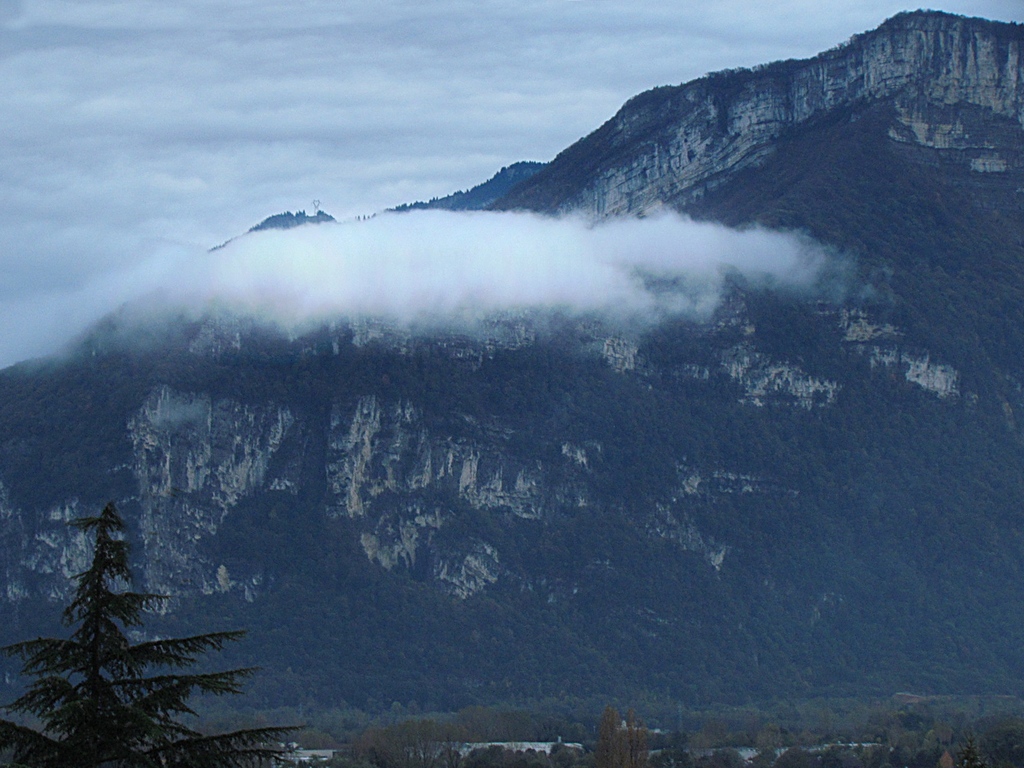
[
  {"x": 403, "y": 484},
  {"x": 669, "y": 146},
  {"x": 194, "y": 458},
  {"x": 41, "y": 552}
]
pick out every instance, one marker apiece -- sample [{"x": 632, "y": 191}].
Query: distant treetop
[
  {"x": 287, "y": 220},
  {"x": 482, "y": 195}
]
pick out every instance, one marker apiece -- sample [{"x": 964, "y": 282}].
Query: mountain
[
  {"x": 482, "y": 195},
  {"x": 947, "y": 82},
  {"x": 802, "y": 495},
  {"x": 902, "y": 147}
]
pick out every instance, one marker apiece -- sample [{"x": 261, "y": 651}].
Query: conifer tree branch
[{"x": 103, "y": 700}]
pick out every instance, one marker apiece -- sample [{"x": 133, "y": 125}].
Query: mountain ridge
[
  {"x": 677, "y": 142},
  {"x": 481, "y": 195},
  {"x": 812, "y": 494}
]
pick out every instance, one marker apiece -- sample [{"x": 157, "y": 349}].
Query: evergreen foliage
[
  {"x": 970, "y": 755},
  {"x": 289, "y": 220},
  {"x": 482, "y": 195},
  {"x": 103, "y": 700}
]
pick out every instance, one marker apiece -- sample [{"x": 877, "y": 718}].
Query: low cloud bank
[
  {"x": 433, "y": 269},
  {"x": 439, "y": 267}
]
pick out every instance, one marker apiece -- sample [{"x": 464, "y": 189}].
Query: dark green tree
[
  {"x": 104, "y": 701},
  {"x": 970, "y": 755}
]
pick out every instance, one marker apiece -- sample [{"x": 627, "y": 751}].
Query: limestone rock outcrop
[{"x": 671, "y": 145}]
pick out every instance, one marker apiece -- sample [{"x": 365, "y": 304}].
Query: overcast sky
[{"x": 138, "y": 127}]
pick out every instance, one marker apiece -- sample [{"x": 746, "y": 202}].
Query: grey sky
[{"x": 133, "y": 128}]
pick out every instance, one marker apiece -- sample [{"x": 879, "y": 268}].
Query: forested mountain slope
[{"x": 801, "y": 495}]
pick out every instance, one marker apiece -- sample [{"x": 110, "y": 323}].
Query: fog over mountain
[
  {"x": 439, "y": 266},
  {"x": 131, "y": 130},
  {"x": 434, "y": 268},
  {"x": 783, "y": 491}
]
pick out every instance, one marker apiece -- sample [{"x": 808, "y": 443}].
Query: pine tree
[{"x": 104, "y": 701}]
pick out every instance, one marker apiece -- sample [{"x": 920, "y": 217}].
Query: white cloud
[
  {"x": 436, "y": 265},
  {"x": 430, "y": 268}
]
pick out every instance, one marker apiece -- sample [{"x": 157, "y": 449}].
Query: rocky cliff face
[
  {"x": 405, "y": 485},
  {"x": 194, "y": 459},
  {"x": 41, "y": 545},
  {"x": 672, "y": 145}
]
